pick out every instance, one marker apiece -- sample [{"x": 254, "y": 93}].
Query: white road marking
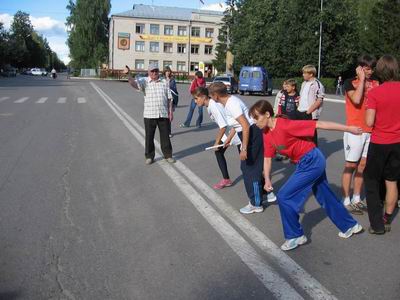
[
  {"x": 42, "y": 100},
  {"x": 302, "y": 279},
  {"x": 81, "y": 100},
  {"x": 21, "y": 100},
  {"x": 4, "y": 98},
  {"x": 62, "y": 100}
]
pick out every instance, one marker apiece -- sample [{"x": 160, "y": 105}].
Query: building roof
[{"x": 164, "y": 12}]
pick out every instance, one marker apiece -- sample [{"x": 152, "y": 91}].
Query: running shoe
[
  {"x": 223, "y": 183},
  {"x": 271, "y": 197},
  {"x": 361, "y": 205},
  {"x": 250, "y": 209},
  {"x": 353, "y": 230},
  {"x": 354, "y": 209},
  {"x": 294, "y": 243}
]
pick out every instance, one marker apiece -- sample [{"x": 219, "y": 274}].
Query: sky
[{"x": 48, "y": 16}]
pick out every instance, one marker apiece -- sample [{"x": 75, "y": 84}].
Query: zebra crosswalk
[{"x": 43, "y": 100}]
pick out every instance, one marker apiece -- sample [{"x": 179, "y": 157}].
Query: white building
[{"x": 182, "y": 38}]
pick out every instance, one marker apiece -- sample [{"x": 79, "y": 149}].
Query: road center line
[{"x": 270, "y": 278}]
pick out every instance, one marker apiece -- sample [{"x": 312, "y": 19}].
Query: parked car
[
  {"x": 44, "y": 72},
  {"x": 229, "y": 81},
  {"x": 255, "y": 79},
  {"x": 36, "y": 72}
]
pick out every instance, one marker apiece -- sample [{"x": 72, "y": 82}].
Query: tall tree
[
  {"x": 382, "y": 30},
  {"x": 21, "y": 35},
  {"x": 4, "y": 46},
  {"x": 88, "y": 32}
]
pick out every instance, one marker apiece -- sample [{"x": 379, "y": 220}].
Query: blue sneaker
[{"x": 294, "y": 243}]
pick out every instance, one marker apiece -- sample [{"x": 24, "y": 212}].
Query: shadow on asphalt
[{"x": 204, "y": 127}]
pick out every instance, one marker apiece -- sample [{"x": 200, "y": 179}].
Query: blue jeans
[
  {"x": 190, "y": 114},
  {"x": 310, "y": 176}
]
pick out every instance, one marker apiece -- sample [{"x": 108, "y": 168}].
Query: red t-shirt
[
  {"x": 385, "y": 100},
  {"x": 291, "y": 138}
]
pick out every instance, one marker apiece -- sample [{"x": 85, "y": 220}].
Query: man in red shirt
[
  {"x": 356, "y": 146},
  {"x": 383, "y": 161}
]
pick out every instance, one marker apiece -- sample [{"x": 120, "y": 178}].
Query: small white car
[{"x": 36, "y": 72}]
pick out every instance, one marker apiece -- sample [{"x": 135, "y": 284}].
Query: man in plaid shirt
[{"x": 157, "y": 109}]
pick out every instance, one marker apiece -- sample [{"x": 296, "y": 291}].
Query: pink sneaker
[{"x": 223, "y": 183}]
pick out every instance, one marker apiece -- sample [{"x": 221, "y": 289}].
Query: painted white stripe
[
  {"x": 4, "y": 98},
  {"x": 81, "y": 100},
  {"x": 334, "y": 100},
  {"x": 21, "y": 100},
  {"x": 42, "y": 100},
  {"x": 62, "y": 100},
  {"x": 271, "y": 279}
]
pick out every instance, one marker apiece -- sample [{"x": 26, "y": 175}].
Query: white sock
[
  {"x": 356, "y": 199},
  {"x": 346, "y": 201}
]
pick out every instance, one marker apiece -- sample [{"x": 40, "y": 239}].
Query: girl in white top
[{"x": 217, "y": 114}]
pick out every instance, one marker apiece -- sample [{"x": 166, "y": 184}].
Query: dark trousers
[
  {"x": 252, "y": 167},
  {"x": 190, "y": 114},
  {"x": 383, "y": 163},
  {"x": 150, "y": 126},
  {"x": 301, "y": 115},
  {"x": 219, "y": 154}
]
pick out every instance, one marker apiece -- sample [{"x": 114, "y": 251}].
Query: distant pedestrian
[
  {"x": 339, "y": 86},
  {"x": 198, "y": 81},
  {"x": 174, "y": 92},
  {"x": 217, "y": 114},
  {"x": 312, "y": 94},
  {"x": 292, "y": 138},
  {"x": 383, "y": 159},
  {"x": 251, "y": 150},
  {"x": 157, "y": 98},
  {"x": 356, "y": 146}
]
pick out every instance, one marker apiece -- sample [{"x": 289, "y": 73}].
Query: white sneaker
[
  {"x": 271, "y": 197},
  {"x": 294, "y": 243},
  {"x": 353, "y": 230},
  {"x": 250, "y": 209}
]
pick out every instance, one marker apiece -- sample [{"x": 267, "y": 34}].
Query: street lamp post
[{"x": 320, "y": 42}]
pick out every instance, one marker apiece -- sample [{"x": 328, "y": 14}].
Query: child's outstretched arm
[{"x": 338, "y": 127}]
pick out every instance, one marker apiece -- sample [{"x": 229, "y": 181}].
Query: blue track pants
[{"x": 310, "y": 175}]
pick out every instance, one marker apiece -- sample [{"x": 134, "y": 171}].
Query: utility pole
[{"x": 320, "y": 42}]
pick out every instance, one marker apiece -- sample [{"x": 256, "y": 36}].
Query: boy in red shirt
[
  {"x": 295, "y": 140},
  {"x": 383, "y": 160},
  {"x": 356, "y": 146}
]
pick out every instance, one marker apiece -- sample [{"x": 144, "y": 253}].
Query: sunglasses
[{"x": 154, "y": 71}]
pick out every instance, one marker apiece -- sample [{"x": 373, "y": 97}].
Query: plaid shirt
[{"x": 156, "y": 98}]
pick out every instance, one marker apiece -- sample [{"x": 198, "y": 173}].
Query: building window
[
  {"x": 154, "y": 47},
  {"x": 154, "y": 29},
  {"x": 208, "y": 49},
  {"x": 195, "y": 49},
  {"x": 194, "y": 66},
  {"x": 182, "y": 30},
  {"x": 181, "y": 66},
  {"x": 139, "y": 28},
  {"x": 139, "y": 64},
  {"x": 153, "y": 62},
  {"x": 181, "y": 48},
  {"x": 167, "y": 63},
  {"x": 209, "y": 32},
  {"x": 139, "y": 46},
  {"x": 196, "y": 31},
  {"x": 168, "y": 30},
  {"x": 168, "y": 47}
]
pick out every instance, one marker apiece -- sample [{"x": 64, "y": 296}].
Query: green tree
[
  {"x": 382, "y": 30},
  {"x": 4, "y": 46},
  {"x": 21, "y": 35},
  {"x": 88, "y": 32}
]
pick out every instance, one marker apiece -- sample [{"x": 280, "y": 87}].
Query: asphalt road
[{"x": 82, "y": 217}]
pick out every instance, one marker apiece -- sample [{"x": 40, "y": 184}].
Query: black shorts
[{"x": 383, "y": 161}]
